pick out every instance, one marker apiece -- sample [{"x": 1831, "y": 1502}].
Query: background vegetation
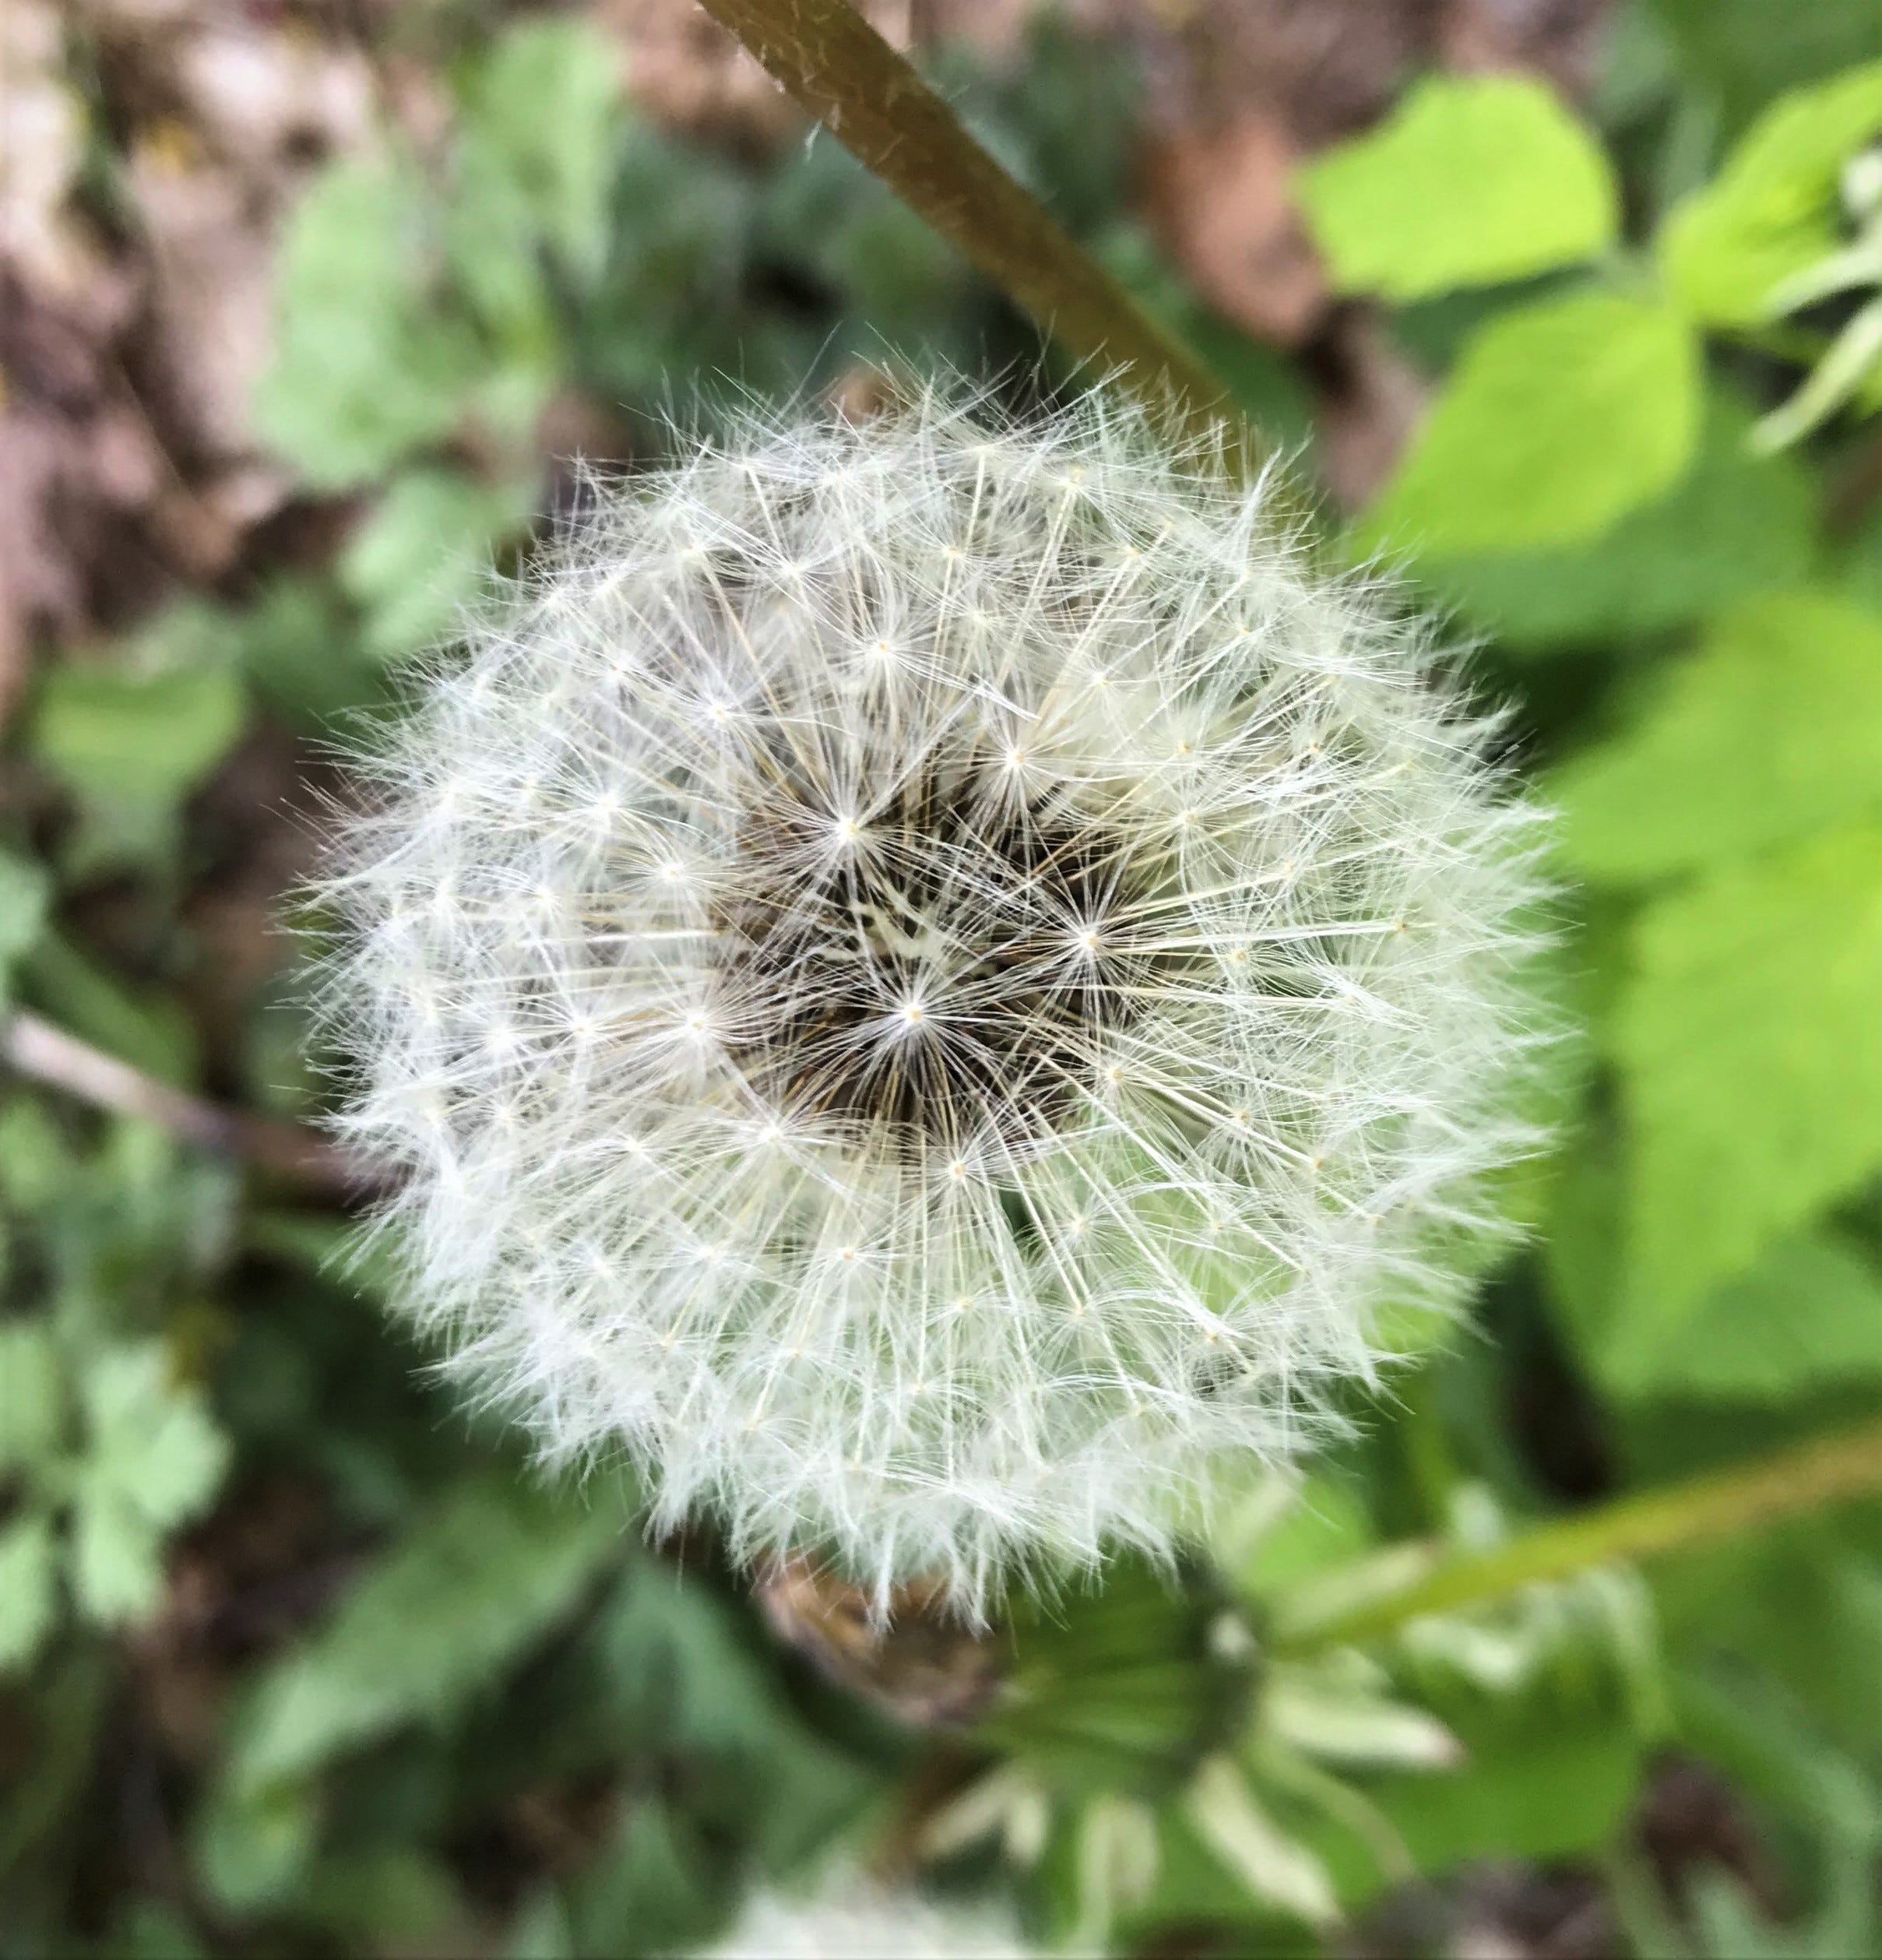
[{"x": 295, "y": 1656}]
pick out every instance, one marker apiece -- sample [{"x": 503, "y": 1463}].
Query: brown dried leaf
[
  {"x": 923, "y": 1665},
  {"x": 690, "y": 75},
  {"x": 1222, "y": 203},
  {"x": 211, "y": 264},
  {"x": 1560, "y": 39},
  {"x": 250, "y": 112},
  {"x": 81, "y": 464},
  {"x": 1370, "y": 400}
]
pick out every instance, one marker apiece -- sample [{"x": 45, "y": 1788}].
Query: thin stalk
[
  {"x": 1715, "y": 1505},
  {"x": 832, "y": 63},
  {"x": 36, "y": 1049}
]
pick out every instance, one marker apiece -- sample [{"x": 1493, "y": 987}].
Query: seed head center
[{"x": 920, "y": 991}]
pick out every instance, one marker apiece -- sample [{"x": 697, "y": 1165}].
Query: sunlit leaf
[
  {"x": 422, "y": 554},
  {"x": 1735, "y": 524},
  {"x": 253, "y": 1842},
  {"x": 127, "y": 736},
  {"x": 1559, "y": 417},
  {"x": 1751, "y": 1052},
  {"x": 117, "y": 1556},
  {"x": 1774, "y": 728},
  {"x": 369, "y": 365},
  {"x": 1774, "y": 210},
  {"x": 32, "y": 1393},
  {"x": 152, "y": 1444},
  {"x": 541, "y": 123},
  {"x": 28, "y": 1589},
  {"x": 1473, "y": 179},
  {"x": 1807, "y": 1317}
]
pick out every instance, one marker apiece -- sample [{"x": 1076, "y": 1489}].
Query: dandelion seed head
[{"x": 928, "y": 982}]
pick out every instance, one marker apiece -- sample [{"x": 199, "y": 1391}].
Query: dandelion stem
[
  {"x": 1718, "y": 1505},
  {"x": 832, "y": 63}
]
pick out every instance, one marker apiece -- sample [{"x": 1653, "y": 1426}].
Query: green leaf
[
  {"x": 1737, "y": 523},
  {"x": 117, "y": 1556},
  {"x": 498, "y": 268},
  {"x": 1132, "y": 1692},
  {"x": 1751, "y": 1052},
  {"x": 679, "y": 1669},
  {"x": 368, "y": 364},
  {"x": 125, "y": 737},
  {"x": 1773, "y": 729},
  {"x": 1749, "y": 50},
  {"x": 37, "y": 1166},
  {"x": 29, "y": 1596},
  {"x": 423, "y": 554},
  {"x": 437, "y": 1620},
  {"x": 1582, "y": 1255},
  {"x": 540, "y": 1930},
  {"x": 1473, "y": 179},
  {"x": 253, "y": 1844},
  {"x": 1807, "y": 1316},
  {"x": 1559, "y": 418},
  {"x": 149, "y": 1931},
  {"x": 1774, "y": 209},
  {"x": 25, "y": 892},
  {"x": 152, "y": 1444},
  {"x": 297, "y": 646},
  {"x": 149, "y": 1029},
  {"x": 398, "y": 1897},
  {"x": 1538, "y": 1781},
  {"x": 1553, "y": 1697},
  {"x": 533, "y": 172},
  {"x": 1325, "y": 1525},
  {"x": 1739, "y": 1719},
  {"x": 1804, "y": 1602},
  {"x": 541, "y": 115},
  {"x": 656, "y": 1889},
  {"x": 154, "y": 1460},
  {"x": 32, "y": 1395}
]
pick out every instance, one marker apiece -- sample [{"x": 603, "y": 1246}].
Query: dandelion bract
[{"x": 928, "y": 981}]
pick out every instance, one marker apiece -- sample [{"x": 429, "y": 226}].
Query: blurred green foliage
[
  {"x": 299, "y": 1658},
  {"x": 1469, "y": 182}
]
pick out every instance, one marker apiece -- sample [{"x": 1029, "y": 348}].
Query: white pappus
[
  {"x": 850, "y": 1919},
  {"x": 928, "y": 981}
]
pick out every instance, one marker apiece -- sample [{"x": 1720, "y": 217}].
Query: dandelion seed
[
  {"x": 979, "y": 1054},
  {"x": 849, "y": 1917}
]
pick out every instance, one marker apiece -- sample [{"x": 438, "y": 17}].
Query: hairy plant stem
[
  {"x": 832, "y": 63},
  {"x": 1718, "y": 1504}
]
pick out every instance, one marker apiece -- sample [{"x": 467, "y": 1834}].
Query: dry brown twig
[{"x": 43, "y": 1052}]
